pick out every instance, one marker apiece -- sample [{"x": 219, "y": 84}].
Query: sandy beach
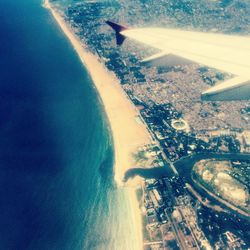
[{"x": 127, "y": 133}]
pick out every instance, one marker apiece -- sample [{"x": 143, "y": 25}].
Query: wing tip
[{"x": 118, "y": 29}]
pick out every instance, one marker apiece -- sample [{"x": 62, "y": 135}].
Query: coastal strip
[{"x": 128, "y": 135}]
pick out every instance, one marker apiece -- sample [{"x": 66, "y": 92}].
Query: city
[{"x": 184, "y": 206}]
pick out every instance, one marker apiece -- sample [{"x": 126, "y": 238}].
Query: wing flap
[{"x": 237, "y": 88}]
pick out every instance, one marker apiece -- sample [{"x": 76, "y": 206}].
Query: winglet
[{"x": 118, "y": 29}]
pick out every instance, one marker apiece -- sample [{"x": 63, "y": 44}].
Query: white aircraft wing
[{"x": 224, "y": 52}]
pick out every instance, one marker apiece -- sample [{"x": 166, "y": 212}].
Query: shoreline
[{"x": 121, "y": 114}]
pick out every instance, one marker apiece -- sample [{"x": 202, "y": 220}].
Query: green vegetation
[{"x": 140, "y": 156}]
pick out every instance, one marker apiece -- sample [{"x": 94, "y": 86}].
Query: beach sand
[{"x": 128, "y": 135}]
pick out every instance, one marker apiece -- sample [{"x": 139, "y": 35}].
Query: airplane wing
[{"x": 224, "y": 52}]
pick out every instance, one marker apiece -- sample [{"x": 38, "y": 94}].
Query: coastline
[{"x": 121, "y": 114}]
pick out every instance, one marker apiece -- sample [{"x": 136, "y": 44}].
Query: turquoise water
[{"x": 56, "y": 156}]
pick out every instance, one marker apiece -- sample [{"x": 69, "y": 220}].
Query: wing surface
[
  {"x": 227, "y": 53},
  {"x": 224, "y": 52}
]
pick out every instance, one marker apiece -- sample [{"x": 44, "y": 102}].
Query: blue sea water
[{"x": 56, "y": 177}]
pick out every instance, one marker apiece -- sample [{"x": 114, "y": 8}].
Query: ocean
[{"x": 56, "y": 155}]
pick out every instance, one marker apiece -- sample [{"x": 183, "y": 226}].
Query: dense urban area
[{"x": 202, "y": 202}]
